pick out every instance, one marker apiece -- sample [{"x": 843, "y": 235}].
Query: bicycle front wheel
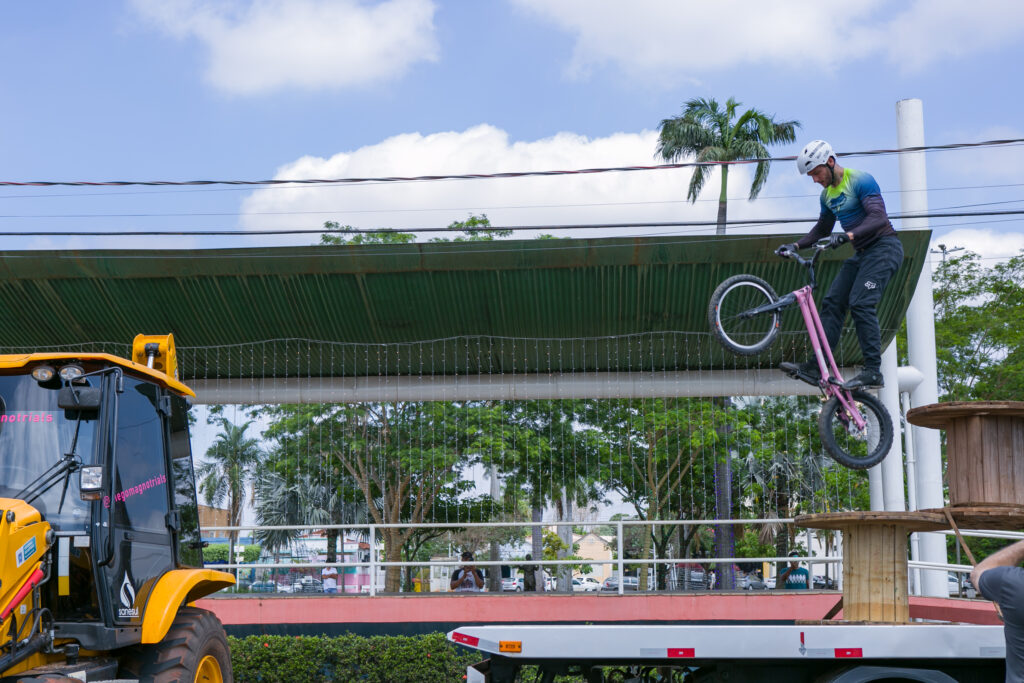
[
  {"x": 856, "y": 448},
  {"x": 733, "y": 317}
]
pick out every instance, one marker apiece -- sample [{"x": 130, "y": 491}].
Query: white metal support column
[
  {"x": 892, "y": 467},
  {"x": 921, "y": 341}
]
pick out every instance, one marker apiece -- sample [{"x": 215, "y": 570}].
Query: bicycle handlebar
[{"x": 819, "y": 247}]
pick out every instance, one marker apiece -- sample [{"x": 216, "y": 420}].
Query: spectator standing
[
  {"x": 329, "y": 577},
  {"x": 467, "y": 578},
  {"x": 795, "y": 577},
  {"x": 529, "y": 575}
]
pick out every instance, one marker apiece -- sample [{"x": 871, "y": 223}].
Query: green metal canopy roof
[{"x": 427, "y": 308}]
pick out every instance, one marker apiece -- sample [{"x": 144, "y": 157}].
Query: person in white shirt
[{"x": 329, "y": 576}]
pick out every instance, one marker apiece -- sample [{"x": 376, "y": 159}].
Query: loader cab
[{"x": 125, "y": 513}]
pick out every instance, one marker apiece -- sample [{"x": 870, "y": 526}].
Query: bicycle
[{"x": 745, "y": 316}]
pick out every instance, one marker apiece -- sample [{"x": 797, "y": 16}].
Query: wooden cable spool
[
  {"x": 875, "y": 559},
  {"x": 984, "y": 450}
]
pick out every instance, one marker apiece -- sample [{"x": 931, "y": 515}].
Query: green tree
[
  {"x": 228, "y": 469},
  {"x": 712, "y": 133},
  {"x": 338, "y": 232},
  {"x": 978, "y": 336},
  {"x": 400, "y": 459},
  {"x": 542, "y": 452}
]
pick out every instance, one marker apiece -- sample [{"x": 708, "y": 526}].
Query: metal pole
[
  {"x": 921, "y": 340},
  {"x": 373, "y": 560},
  {"x": 622, "y": 563},
  {"x": 915, "y": 543},
  {"x": 892, "y": 466}
]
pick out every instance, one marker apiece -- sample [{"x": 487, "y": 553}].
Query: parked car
[
  {"x": 687, "y": 576},
  {"x": 263, "y": 587},
  {"x": 512, "y": 584},
  {"x": 955, "y": 591},
  {"x": 631, "y": 583},
  {"x": 308, "y": 585},
  {"x": 585, "y": 584},
  {"x": 823, "y": 583},
  {"x": 750, "y": 582}
]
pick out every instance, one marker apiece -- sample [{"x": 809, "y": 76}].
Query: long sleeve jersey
[{"x": 857, "y": 203}]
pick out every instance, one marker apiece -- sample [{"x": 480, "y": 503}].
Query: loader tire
[{"x": 195, "y": 650}]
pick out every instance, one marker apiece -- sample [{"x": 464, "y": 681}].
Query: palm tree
[
  {"x": 305, "y": 501},
  {"x": 228, "y": 468},
  {"x": 712, "y": 134}
]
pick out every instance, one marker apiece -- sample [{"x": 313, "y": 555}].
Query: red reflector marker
[
  {"x": 681, "y": 652},
  {"x": 846, "y": 652},
  {"x": 472, "y": 641}
]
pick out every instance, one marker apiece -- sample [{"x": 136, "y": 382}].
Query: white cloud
[
  {"x": 266, "y": 45},
  {"x": 984, "y": 163},
  {"x": 620, "y": 197},
  {"x": 991, "y": 245},
  {"x": 686, "y": 39}
]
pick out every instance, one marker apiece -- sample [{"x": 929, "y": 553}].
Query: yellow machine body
[{"x": 29, "y": 548}]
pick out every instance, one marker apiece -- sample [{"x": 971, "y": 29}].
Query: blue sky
[{"x": 233, "y": 89}]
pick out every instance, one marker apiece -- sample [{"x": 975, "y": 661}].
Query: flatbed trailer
[{"x": 813, "y": 652}]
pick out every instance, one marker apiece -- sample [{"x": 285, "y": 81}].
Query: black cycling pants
[{"x": 858, "y": 288}]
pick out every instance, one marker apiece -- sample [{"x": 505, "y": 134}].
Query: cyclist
[{"x": 852, "y": 197}]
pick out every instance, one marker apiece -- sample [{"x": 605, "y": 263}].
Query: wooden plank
[
  {"x": 975, "y": 475},
  {"x": 1016, "y": 449},
  {"x": 852, "y": 576},
  {"x": 886, "y": 577},
  {"x": 901, "y": 600},
  {"x": 955, "y": 476}
]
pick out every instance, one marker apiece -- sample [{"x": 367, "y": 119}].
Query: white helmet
[{"x": 815, "y": 154}]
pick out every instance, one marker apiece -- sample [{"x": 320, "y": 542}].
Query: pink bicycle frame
[{"x": 823, "y": 354}]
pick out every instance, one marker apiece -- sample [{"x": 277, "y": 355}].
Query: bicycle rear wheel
[
  {"x": 855, "y": 448},
  {"x": 731, "y": 318}
]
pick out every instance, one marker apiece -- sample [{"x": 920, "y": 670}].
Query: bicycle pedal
[{"x": 804, "y": 377}]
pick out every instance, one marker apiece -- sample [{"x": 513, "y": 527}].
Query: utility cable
[
  {"x": 482, "y": 176},
  {"x": 493, "y": 228},
  {"x": 508, "y": 207}
]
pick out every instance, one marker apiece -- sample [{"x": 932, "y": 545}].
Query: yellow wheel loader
[{"x": 100, "y": 549}]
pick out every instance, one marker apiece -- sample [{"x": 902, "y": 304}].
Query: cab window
[{"x": 140, "y": 485}]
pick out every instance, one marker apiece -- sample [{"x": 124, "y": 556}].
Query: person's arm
[
  {"x": 823, "y": 228},
  {"x": 1010, "y": 556},
  {"x": 478, "y": 578},
  {"x": 455, "y": 578},
  {"x": 783, "y": 576}
]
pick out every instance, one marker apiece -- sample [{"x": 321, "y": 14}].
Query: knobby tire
[
  {"x": 849, "y": 450},
  {"x": 736, "y": 294}
]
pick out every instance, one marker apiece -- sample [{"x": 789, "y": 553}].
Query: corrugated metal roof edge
[{"x": 420, "y": 256}]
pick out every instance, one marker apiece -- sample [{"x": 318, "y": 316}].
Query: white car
[{"x": 585, "y": 584}]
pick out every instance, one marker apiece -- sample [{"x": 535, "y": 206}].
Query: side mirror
[
  {"x": 79, "y": 398},
  {"x": 90, "y": 482}
]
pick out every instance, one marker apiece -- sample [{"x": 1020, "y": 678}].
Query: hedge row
[
  {"x": 219, "y": 553},
  {"x": 376, "y": 659},
  {"x": 359, "y": 659}
]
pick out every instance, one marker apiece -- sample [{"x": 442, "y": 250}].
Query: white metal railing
[{"x": 619, "y": 561}]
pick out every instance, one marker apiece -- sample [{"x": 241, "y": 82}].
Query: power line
[
  {"x": 219, "y": 214},
  {"x": 493, "y": 228},
  {"x": 488, "y": 176}
]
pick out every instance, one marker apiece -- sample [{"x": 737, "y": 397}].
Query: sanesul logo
[{"x": 128, "y": 608}]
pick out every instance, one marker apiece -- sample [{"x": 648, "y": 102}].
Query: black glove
[
  {"x": 837, "y": 239},
  {"x": 786, "y": 249}
]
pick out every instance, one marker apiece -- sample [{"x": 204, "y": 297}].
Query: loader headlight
[
  {"x": 70, "y": 372},
  {"x": 90, "y": 482},
  {"x": 42, "y": 373}
]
